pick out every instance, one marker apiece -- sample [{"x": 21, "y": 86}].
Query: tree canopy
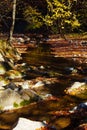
[{"x": 58, "y": 15}]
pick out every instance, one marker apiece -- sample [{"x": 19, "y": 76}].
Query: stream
[
  {"x": 46, "y": 83},
  {"x": 45, "y": 64}
]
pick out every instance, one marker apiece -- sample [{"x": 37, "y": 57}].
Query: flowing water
[
  {"x": 62, "y": 72},
  {"x": 54, "y": 67}
]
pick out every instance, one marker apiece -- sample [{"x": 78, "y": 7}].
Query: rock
[
  {"x": 37, "y": 87},
  {"x": 38, "y": 84},
  {"x": 42, "y": 67},
  {"x": 82, "y": 127},
  {"x": 7, "y": 99},
  {"x": 14, "y": 74},
  {"x": 78, "y": 89},
  {"x": 13, "y": 86},
  {"x": 76, "y": 85},
  {"x": 26, "y": 39},
  {"x": 26, "y": 124},
  {"x": 83, "y": 43},
  {"x": 2, "y": 69},
  {"x": 29, "y": 95},
  {"x": 80, "y": 107},
  {"x": 20, "y": 40},
  {"x": 14, "y": 96},
  {"x": 41, "y": 89},
  {"x": 70, "y": 70},
  {"x": 3, "y": 82},
  {"x": 25, "y": 85},
  {"x": 62, "y": 122},
  {"x": 1, "y": 57}
]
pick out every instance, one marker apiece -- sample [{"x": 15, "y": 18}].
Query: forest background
[{"x": 44, "y": 16}]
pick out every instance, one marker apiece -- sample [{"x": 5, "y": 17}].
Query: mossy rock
[
  {"x": 79, "y": 91},
  {"x": 14, "y": 74}
]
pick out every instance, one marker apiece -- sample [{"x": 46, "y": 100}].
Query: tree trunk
[{"x": 13, "y": 21}]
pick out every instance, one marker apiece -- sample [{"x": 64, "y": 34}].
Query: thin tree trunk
[
  {"x": 13, "y": 21},
  {"x": 12, "y": 26}
]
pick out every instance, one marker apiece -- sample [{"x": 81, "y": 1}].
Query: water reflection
[
  {"x": 54, "y": 67},
  {"x": 64, "y": 69}
]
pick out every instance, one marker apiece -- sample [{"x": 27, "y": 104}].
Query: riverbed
[{"x": 49, "y": 65}]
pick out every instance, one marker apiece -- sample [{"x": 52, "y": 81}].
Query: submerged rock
[{"x": 62, "y": 122}]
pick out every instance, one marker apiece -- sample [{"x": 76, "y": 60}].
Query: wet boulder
[
  {"x": 2, "y": 68},
  {"x": 8, "y": 98},
  {"x": 77, "y": 89},
  {"x": 8, "y": 53},
  {"x": 27, "y": 124},
  {"x": 3, "y": 81},
  {"x": 39, "y": 86},
  {"x": 14, "y": 96},
  {"x": 14, "y": 74},
  {"x": 13, "y": 86},
  {"x": 20, "y": 40},
  {"x": 79, "y": 108},
  {"x": 1, "y": 57},
  {"x": 82, "y": 127},
  {"x": 42, "y": 87}
]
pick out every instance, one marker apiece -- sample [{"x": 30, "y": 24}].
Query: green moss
[
  {"x": 24, "y": 102},
  {"x": 15, "y": 104},
  {"x": 1, "y": 108}
]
